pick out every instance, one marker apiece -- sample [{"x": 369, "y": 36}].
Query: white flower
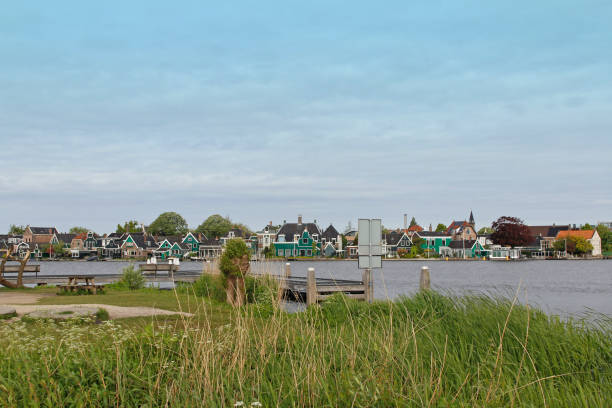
[
  {"x": 239, "y": 404},
  {"x": 256, "y": 404}
]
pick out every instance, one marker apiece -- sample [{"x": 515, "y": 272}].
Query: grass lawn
[{"x": 425, "y": 350}]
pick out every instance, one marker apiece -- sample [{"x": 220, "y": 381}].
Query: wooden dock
[{"x": 312, "y": 290}]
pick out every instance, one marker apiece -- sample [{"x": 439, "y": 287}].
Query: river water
[{"x": 558, "y": 287}]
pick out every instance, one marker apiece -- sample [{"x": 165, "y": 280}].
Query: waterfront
[{"x": 558, "y": 287}]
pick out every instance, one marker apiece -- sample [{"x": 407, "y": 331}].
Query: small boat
[{"x": 92, "y": 258}]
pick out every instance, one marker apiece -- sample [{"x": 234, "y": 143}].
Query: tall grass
[{"x": 426, "y": 350}]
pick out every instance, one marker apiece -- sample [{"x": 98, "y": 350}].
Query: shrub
[
  {"x": 132, "y": 279},
  {"x": 102, "y": 314},
  {"x": 235, "y": 251}
]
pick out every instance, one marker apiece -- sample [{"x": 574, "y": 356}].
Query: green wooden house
[
  {"x": 191, "y": 242},
  {"x": 433, "y": 241},
  {"x": 301, "y": 246}
]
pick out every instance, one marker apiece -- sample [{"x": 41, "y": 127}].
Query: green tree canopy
[
  {"x": 16, "y": 229},
  {"x": 574, "y": 245},
  {"x": 78, "y": 230},
  {"x": 606, "y": 237},
  {"x": 168, "y": 223},
  {"x": 485, "y": 230},
  {"x": 588, "y": 226},
  {"x": 235, "y": 258},
  {"x": 215, "y": 226},
  {"x": 441, "y": 228},
  {"x": 413, "y": 222},
  {"x": 128, "y": 226}
]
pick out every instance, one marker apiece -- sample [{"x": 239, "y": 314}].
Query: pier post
[
  {"x": 311, "y": 288},
  {"x": 367, "y": 285},
  {"x": 287, "y": 270},
  {"x": 424, "y": 283}
]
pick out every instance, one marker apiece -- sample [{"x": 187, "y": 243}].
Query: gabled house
[
  {"x": 265, "y": 238},
  {"x": 461, "y": 230},
  {"x": 464, "y": 249},
  {"x": 433, "y": 241},
  {"x": 298, "y": 239},
  {"x": 134, "y": 246},
  {"x": 332, "y": 237},
  {"x": 395, "y": 241},
  {"x": 191, "y": 242},
  {"x": 39, "y": 235},
  {"x": 590, "y": 235}
]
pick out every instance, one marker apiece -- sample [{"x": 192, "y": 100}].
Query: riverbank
[{"x": 427, "y": 349}]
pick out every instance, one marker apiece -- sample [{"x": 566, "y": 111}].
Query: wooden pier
[
  {"x": 148, "y": 269},
  {"x": 312, "y": 290}
]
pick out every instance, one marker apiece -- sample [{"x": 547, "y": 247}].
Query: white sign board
[{"x": 370, "y": 243}]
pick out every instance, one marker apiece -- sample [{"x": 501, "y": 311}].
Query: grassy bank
[{"x": 427, "y": 350}]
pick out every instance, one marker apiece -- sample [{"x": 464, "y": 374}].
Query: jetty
[{"x": 312, "y": 290}]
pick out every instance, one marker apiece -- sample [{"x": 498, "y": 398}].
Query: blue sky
[{"x": 334, "y": 110}]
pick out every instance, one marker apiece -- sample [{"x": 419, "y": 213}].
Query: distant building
[
  {"x": 590, "y": 235},
  {"x": 298, "y": 239},
  {"x": 545, "y": 235}
]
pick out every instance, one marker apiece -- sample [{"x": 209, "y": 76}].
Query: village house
[
  {"x": 39, "y": 235},
  {"x": 395, "y": 241},
  {"x": 463, "y": 249},
  {"x": 209, "y": 248},
  {"x": 297, "y": 239},
  {"x": 590, "y": 235},
  {"x": 265, "y": 238},
  {"x": 544, "y": 236},
  {"x": 433, "y": 240}
]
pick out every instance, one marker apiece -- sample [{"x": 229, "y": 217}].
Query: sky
[{"x": 111, "y": 111}]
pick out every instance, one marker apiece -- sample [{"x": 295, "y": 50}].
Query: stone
[
  {"x": 63, "y": 313},
  {"x": 7, "y": 312}
]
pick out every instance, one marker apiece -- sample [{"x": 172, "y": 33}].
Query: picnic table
[{"x": 79, "y": 282}]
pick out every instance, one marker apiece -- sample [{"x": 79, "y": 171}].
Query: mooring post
[
  {"x": 367, "y": 285},
  {"x": 287, "y": 270},
  {"x": 425, "y": 282},
  {"x": 311, "y": 288}
]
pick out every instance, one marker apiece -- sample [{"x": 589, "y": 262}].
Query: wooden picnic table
[{"x": 87, "y": 282}]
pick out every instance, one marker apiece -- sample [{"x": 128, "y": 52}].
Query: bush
[
  {"x": 102, "y": 314},
  {"x": 132, "y": 279},
  {"x": 235, "y": 250}
]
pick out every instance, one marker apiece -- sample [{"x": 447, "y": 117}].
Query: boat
[{"x": 92, "y": 258}]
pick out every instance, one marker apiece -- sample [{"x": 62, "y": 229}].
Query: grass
[{"x": 426, "y": 350}]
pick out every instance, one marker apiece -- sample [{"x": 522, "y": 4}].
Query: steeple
[{"x": 472, "y": 218}]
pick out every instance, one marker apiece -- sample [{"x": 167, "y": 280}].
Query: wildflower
[
  {"x": 239, "y": 404},
  {"x": 256, "y": 404}
]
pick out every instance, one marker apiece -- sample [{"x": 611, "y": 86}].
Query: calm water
[{"x": 559, "y": 287}]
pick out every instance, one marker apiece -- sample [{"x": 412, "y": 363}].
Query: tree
[
  {"x": 413, "y": 222},
  {"x": 168, "y": 223},
  {"x": 234, "y": 265},
  {"x": 417, "y": 242},
  {"x": 606, "y": 237},
  {"x": 128, "y": 227},
  {"x": 485, "y": 231},
  {"x": 16, "y": 229},
  {"x": 78, "y": 230},
  {"x": 588, "y": 227},
  {"x": 215, "y": 226},
  {"x": 356, "y": 240},
  {"x": 573, "y": 245},
  {"x": 441, "y": 228},
  {"x": 510, "y": 231}
]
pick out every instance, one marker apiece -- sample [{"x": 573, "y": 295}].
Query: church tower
[{"x": 472, "y": 223}]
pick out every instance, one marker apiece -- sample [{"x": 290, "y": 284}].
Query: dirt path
[
  {"x": 115, "y": 312},
  {"x": 25, "y": 303}
]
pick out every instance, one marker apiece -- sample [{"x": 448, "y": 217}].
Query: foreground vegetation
[{"x": 427, "y": 350}]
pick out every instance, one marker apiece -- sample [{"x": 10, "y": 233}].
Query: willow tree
[{"x": 22, "y": 264}]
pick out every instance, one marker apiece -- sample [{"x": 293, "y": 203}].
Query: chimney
[
  {"x": 315, "y": 220},
  {"x": 430, "y": 228},
  {"x": 300, "y": 219},
  {"x": 270, "y": 223},
  {"x": 284, "y": 222},
  {"x": 405, "y": 221}
]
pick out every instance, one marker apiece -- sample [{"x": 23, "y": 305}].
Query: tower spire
[{"x": 472, "y": 218}]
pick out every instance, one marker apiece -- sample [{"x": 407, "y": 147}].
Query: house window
[
  {"x": 305, "y": 241},
  {"x": 309, "y": 252}
]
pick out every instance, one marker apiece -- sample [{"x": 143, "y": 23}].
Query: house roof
[
  {"x": 65, "y": 238},
  {"x": 291, "y": 228},
  {"x": 546, "y": 230},
  {"x": 459, "y": 244},
  {"x": 415, "y": 228},
  {"x": 330, "y": 232},
  {"x": 210, "y": 242},
  {"x": 424, "y": 234},
  {"x": 43, "y": 230},
  {"x": 393, "y": 237},
  {"x": 458, "y": 226},
  {"x": 586, "y": 234}
]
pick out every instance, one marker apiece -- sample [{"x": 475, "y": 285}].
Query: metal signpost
[{"x": 369, "y": 250}]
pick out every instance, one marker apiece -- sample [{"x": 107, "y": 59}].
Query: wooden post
[
  {"x": 424, "y": 283},
  {"x": 283, "y": 283},
  {"x": 311, "y": 288},
  {"x": 287, "y": 270},
  {"x": 367, "y": 285}
]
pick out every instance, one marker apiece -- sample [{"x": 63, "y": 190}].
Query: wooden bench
[{"x": 88, "y": 283}]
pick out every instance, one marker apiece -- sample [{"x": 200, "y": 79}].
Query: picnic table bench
[{"x": 87, "y": 282}]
